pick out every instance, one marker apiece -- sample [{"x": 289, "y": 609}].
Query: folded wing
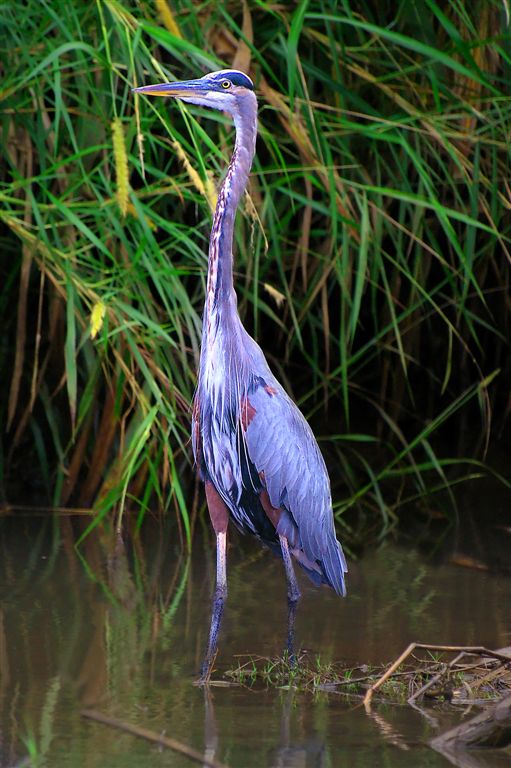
[{"x": 284, "y": 451}]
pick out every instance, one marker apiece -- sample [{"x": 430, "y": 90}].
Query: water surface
[{"x": 123, "y": 630}]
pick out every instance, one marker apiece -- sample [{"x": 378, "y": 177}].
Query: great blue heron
[{"x": 256, "y": 454}]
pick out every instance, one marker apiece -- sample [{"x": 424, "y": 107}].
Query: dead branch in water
[
  {"x": 156, "y": 738},
  {"x": 490, "y": 729},
  {"x": 459, "y": 649}
]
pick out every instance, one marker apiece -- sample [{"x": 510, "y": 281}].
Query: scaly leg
[
  {"x": 293, "y": 591},
  {"x": 293, "y": 595},
  {"x": 219, "y": 517}
]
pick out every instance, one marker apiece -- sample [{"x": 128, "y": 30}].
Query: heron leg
[
  {"x": 219, "y": 517},
  {"x": 274, "y": 514},
  {"x": 293, "y": 595},
  {"x": 293, "y": 590},
  {"x": 217, "y": 608}
]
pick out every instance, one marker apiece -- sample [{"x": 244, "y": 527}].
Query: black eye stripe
[{"x": 234, "y": 78}]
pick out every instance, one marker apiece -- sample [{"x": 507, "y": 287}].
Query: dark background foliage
[{"x": 372, "y": 251}]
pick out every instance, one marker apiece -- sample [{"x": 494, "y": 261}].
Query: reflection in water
[
  {"x": 291, "y": 752},
  {"x": 387, "y": 731},
  {"x": 122, "y": 629},
  {"x": 477, "y": 758}
]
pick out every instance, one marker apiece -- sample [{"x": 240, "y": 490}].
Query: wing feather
[{"x": 283, "y": 449}]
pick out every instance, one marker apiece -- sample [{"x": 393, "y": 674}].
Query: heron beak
[{"x": 178, "y": 89}]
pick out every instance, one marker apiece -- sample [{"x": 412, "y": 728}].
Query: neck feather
[{"x": 220, "y": 288}]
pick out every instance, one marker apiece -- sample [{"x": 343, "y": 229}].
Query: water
[{"x": 123, "y": 633}]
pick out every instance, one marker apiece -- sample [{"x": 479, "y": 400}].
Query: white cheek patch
[
  {"x": 191, "y": 99},
  {"x": 217, "y": 96},
  {"x": 214, "y": 99}
]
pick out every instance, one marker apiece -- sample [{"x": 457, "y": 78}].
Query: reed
[{"x": 372, "y": 253}]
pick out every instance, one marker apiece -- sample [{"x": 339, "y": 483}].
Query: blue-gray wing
[{"x": 283, "y": 449}]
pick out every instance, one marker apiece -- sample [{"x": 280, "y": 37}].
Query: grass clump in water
[
  {"x": 304, "y": 672},
  {"x": 426, "y": 679}
]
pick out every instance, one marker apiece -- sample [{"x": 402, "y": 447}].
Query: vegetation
[
  {"x": 372, "y": 253},
  {"x": 465, "y": 678}
]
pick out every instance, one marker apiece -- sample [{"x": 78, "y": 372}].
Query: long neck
[{"x": 220, "y": 288}]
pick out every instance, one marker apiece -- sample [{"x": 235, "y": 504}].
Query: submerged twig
[
  {"x": 20, "y": 510},
  {"x": 413, "y": 698},
  {"x": 449, "y": 667},
  {"x": 156, "y": 738}
]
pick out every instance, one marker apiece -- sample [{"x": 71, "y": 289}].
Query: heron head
[{"x": 222, "y": 90}]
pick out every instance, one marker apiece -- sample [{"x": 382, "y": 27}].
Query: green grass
[
  {"x": 312, "y": 674},
  {"x": 372, "y": 255}
]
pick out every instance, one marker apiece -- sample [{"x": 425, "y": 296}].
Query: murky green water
[{"x": 124, "y": 633}]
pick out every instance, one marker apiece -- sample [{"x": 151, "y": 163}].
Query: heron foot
[{"x": 205, "y": 671}]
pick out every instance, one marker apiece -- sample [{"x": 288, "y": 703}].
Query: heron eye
[{"x": 226, "y": 83}]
